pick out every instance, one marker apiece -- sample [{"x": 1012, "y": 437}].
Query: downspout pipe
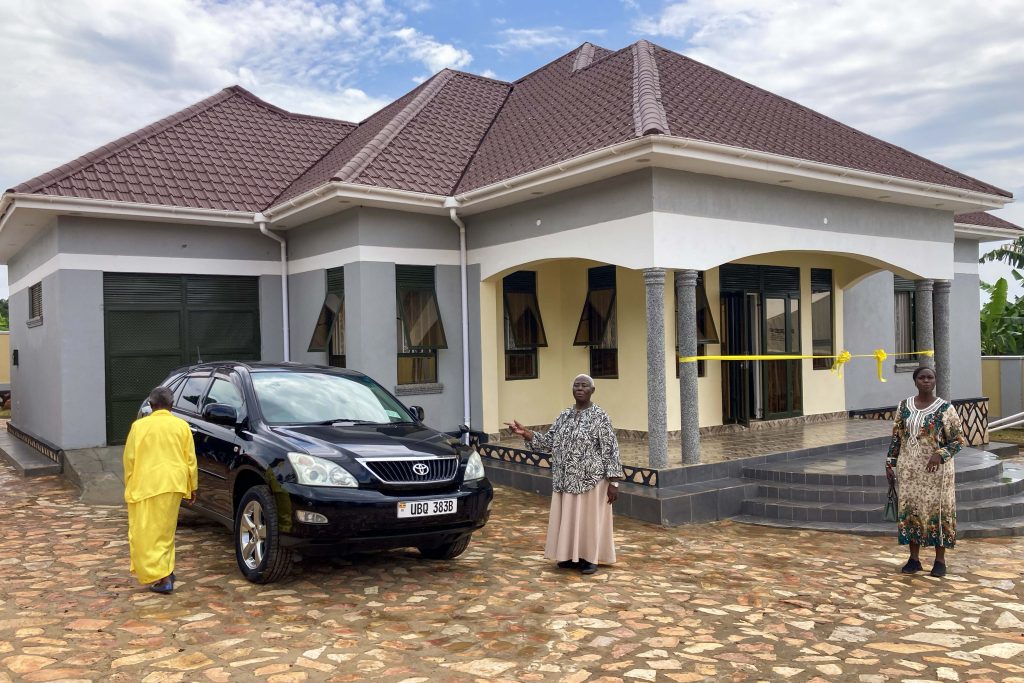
[
  {"x": 261, "y": 220},
  {"x": 452, "y": 205}
]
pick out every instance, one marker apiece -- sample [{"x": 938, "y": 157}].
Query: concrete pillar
[
  {"x": 686, "y": 327},
  {"x": 924, "y": 331},
  {"x": 943, "y": 350},
  {"x": 657, "y": 421}
]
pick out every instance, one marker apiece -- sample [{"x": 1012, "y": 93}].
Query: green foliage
[
  {"x": 1002, "y": 322},
  {"x": 1011, "y": 254},
  {"x": 4, "y": 315}
]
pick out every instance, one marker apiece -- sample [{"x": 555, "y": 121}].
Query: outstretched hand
[{"x": 519, "y": 430}]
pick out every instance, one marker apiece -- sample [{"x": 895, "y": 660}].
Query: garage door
[{"x": 156, "y": 323}]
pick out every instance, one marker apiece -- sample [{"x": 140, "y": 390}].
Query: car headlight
[
  {"x": 474, "y": 467},
  {"x": 313, "y": 471}
]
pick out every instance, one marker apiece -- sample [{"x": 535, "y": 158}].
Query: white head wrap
[{"x": 590, "y": 380}]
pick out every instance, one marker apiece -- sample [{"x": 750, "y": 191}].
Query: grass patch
[
  {"x": 1012, "y": 435},
  {"x": 5, "y": 414}
]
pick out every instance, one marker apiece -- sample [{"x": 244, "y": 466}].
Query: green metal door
[{"x": 156, "y": 323}]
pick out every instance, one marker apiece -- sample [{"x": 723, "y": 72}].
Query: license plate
[{"x": 427, "y": 508}]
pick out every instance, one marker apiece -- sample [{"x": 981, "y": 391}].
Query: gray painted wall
[
  {"x": 618, "y": 197},
  {"x": 306, "y": 293},
  {"x": 370, "y": 342},
  {"x": 965, "y": 335},
  {"x": 1011, "y": 391},
  {"x": 476, "y": 395},
  {"x": 271, "y": 315},
  {"x": 367, "y": 226},
  {"x": 58, "y": 385},
  {"x": 725, "y": 198},
  {"x": 36, "y": 253},
  {"x": 331, "y": 233},
  {"x": 80, "y": 235}
]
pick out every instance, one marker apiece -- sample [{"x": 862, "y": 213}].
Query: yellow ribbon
[
  {"x": 842, "y": 359},
  {"x": 839, "y": 359}
]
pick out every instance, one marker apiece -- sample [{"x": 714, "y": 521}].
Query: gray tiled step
[
  {"x": 1013, "y": 526},
  {"x": 1009, "y": 483},
  {"x": 865, "y": 513},
  {"x": 27, "y": 461},
  {"x": 864, "y": 468},
  {"x": 1003, "y": 450}
]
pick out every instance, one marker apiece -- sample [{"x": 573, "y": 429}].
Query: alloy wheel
[{"x": 252, "y": 535}]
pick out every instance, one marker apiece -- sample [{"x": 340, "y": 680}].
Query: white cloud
[
  {"x": 79, "y": 75},
  {"x": 434, "y": 55},
  {"x": 546, "y": 37}
]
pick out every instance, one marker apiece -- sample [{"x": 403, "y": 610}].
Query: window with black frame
[
  {"x": 329, "y": 332},
  {"x": 524, "y": 329},
  {"x": 904, "y": 312},
  {"x": 35, "y": 304},
  {"x": 598, "y": 327},
  {"x": 822, "y": 313},
  {"x": 707, "y": 332},
  {"x": 420, "y": 332}
]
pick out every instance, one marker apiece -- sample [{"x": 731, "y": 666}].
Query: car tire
[
  {"x": 258, "y": 550},
  {"x": 446, "y": 551}
]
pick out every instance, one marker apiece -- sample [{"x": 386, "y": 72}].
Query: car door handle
[{"x": 193, "y": 429}]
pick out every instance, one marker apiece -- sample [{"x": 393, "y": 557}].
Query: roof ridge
[
  {"x": 361, "y": 159},
  {"x": 649, "y": 115},
  {"x": 962, "y": 176},
  {"x": 284, "y": 112},
  {"x": 584, "y": 57},
  {"x": 111, "y": 148}
]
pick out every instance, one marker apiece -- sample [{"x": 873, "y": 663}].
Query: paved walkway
[
  {"x": 717, "y": 602},
  {"x": 742, "y": 444}
]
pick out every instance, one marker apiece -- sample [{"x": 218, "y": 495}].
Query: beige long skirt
[{"x": 580, "y": 527}]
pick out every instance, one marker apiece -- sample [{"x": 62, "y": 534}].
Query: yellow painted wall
[
  {"x": 5, "y": 358},
  {"x": 992, "y": 386},
  {"x": 561, "y": 291}
]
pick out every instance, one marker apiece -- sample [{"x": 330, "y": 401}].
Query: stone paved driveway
[{"x": 713, "y": 602}]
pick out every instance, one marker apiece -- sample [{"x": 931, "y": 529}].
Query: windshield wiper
[{"x": 348, "y": 422}]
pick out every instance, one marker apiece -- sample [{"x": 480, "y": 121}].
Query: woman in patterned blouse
[
  {"x": 925, "y": 437},
  {"x": 585, "y": 473}
]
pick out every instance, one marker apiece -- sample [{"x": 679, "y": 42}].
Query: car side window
[
  {"x": 191, "y": 392},
  {"x": 223, "y": 391}
]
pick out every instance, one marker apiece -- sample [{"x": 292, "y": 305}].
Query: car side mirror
[
  {"x": 418, "y": 412},
  {"x": 221, "y": 414}
]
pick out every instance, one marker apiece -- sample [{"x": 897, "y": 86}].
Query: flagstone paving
[{"x": 709, "y": 602}]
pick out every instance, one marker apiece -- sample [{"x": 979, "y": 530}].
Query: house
[{"x": 476, "y": 244}]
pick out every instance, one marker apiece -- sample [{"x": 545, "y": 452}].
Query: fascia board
[
  {"x": 355, "y": 194},
  {"x": 985, "y": 233},
  {"x": 114, "y": 209}
]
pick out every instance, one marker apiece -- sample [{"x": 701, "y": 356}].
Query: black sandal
[
  {"x": 912, "y": 566},
  {"x": 938, "y": 569}
]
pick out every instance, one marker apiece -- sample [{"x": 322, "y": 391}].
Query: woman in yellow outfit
[{"x": 159, "y": 470}]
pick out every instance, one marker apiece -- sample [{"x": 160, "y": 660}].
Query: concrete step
[
  {"x": 26, "y": 461},
  {"x": 1003, "y": 450},
  {"x": 868, "y": 513},
  {"x": 1013, "y": 526},
  {"x": 1010, "y": 482}
]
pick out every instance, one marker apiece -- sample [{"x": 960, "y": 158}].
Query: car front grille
[{"x": 412, "y": 470}]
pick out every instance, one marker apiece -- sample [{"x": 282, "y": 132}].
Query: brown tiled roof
[
  {"x": 231, "y": 151},
  {"x": 985, "y": 219},
  {"x": 555, "y": 114},
  {"x": 706, "y": 104},
  {"x": 458, "y": 132},
  {"x": 420, "y": 143}
]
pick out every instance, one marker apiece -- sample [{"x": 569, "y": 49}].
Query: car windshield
[{"x": 322, "y": 398}]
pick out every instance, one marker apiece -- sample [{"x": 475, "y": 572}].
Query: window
[
  {"x": 707, "y": 333},
  {"x": 524, "y": 329},
  {"x": 419, "y": 328},
  {"x": 224, "y": 391},
  {"x": 822, "y": 343},
  {"x": 906, "y": 333},
  {"x": 191, "y": 392},
  {"x": 329, "y": 332},
  {"x": 597, "y": 327},
  {"x": 35, "y": 303}
]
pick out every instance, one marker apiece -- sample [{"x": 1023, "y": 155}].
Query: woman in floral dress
[
  {"x": 925, "y": 437},
  {"x": 585, "y": 473}
]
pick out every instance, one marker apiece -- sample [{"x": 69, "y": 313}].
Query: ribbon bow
[
  {"x": 843, "y": 358},
  {"x": 880, "y": 355}
]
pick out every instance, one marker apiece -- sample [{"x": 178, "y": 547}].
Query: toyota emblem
[{"x": 420, "y": 469}]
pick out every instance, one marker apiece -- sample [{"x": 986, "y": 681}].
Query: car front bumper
[{"x": 366, "y": 519}]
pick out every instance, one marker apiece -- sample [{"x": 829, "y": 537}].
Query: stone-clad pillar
[
  {"x": 686, "y": 327},
  {"x": 924, "y": 334},
  {"x": 943, "y": 348},
  {"x": 657, "y": 420}
]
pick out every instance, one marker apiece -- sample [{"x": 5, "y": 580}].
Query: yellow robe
[{"x": 159, "y": 470}]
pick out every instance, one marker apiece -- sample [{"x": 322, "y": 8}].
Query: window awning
[{"x": 331, "y": 311}]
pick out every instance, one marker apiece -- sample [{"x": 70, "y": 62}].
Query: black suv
[{"x": 307, "y": 460}]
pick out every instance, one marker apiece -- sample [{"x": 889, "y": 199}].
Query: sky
[{"x": 942, "y": 79}]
